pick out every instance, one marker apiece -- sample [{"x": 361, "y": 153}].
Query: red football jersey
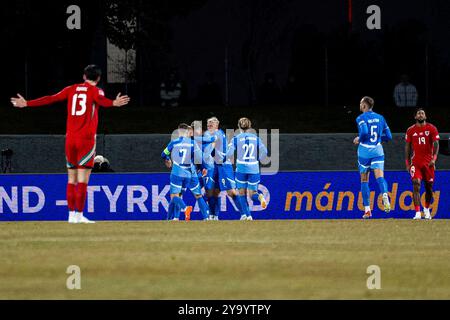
[
  {"x": 422, "y": 138},
  {"x": 82, "y": 108}
]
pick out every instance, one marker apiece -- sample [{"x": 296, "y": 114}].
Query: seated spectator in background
[
  {"x": 291, "y": 92},
  {"x": 170, "y": 91},
  {"x": 101, "y": 164},
  {"x": 405, "y": 93},
  {"x": 209, "y": 93},
  {"x": 269, "y": 92}
]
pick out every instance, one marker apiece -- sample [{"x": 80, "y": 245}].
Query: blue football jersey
[
  {"x": 220, "y": 150},
  {"x": 372, "y": 129},
  {"x": 205, "y": 145},
  {"x": 249, "y": 149},
  {"x": 184, "y": 154}
]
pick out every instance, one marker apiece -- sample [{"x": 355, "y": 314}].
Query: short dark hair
[
  {"x": 370, "y": 102},
  {"x": 419, "y": 109},
  {"x": 92, "y": 72}
]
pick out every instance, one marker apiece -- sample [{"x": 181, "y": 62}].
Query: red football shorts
[
  {"x": 422, "y": 172},
  {"x": 80, "y": 153}
]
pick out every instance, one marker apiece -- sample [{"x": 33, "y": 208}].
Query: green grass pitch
[{"x": 319, "y": 259}]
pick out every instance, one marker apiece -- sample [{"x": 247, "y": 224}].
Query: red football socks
[
  {"x": 71, "y": 196},
  {"x": 81, "y": 196}
]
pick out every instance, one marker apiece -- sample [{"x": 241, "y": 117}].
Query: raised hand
[
  {"x": 19, "y": 101},
  {"x": 121, "y": 100}
]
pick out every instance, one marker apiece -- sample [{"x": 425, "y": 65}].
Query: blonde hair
[
  {"x": 214, "y": 119},
  {"x": 244, "y": 124}
]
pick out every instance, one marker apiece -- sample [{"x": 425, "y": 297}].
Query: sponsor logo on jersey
[{"x": 415, "y": 134}]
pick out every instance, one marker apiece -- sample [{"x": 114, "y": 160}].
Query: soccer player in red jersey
[
  {"x": 82, "y": 119},
  {"x": 421, "y": 150}
]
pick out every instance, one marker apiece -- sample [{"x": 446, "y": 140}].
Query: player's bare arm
[
  {"x": 19, "y": 101},
  {"x": 435, "y": 153},
  {"x": 356, "y": 141},
  {"x": 408, "y": 156},
  {"x": 168, "y": 163},
  {"x": 121, "y": 100}
]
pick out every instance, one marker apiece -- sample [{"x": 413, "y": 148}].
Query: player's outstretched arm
[
  {"x": 19, "y": 101},
  {"x": 121, "y": 100},
  {"x": 102, "y": 101}
]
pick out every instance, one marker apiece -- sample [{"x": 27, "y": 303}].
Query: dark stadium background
[{"x": 334, "y": 61}]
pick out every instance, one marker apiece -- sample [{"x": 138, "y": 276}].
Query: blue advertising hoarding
[{"x": 145, "y": 196}]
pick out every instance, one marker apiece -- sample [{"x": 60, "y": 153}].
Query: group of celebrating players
[{"x": 204, "y": 160}]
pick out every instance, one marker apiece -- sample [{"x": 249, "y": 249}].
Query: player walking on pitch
[
  {"x": 373, "y": 129},
  {"x": 421, "y": 150},
  {"x": 82, "y": 119}
]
